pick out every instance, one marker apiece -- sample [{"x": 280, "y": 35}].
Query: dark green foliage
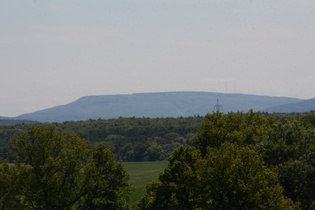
[
  {"x": 58, "y": 170},
  {"x": 298, "y": 179},
  {"x": 131, "y": 137},
  {"x": 154, "y": 152},
  {"x": 291, "y": 147},
  {"x": 106, "y": 181},
  {"x": 6, "y": 133},
  {"x": 308, "y": 118},
  {"x": 177, "y": 186},
  {"x": 134, "y": 138},
  {"x": 230, "y": 177},
  {"x": 236, "y": 177},
  {"x": 9, "y": 186},
  {"x": 241, "y": 128},
  {"x": 287, "y": 143},
  {"x": 50, "y": 162}
]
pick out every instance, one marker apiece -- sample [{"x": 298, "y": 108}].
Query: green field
[{"x": 141, "y": 173}]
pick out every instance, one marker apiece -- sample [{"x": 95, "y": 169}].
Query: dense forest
[
  {"x": 221, "y": 161},
  {"x": 133, "y": 139},
  {"x": 242, "y": 161}
]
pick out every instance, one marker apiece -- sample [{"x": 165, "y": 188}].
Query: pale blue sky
[{"x": 53, "y": 52}]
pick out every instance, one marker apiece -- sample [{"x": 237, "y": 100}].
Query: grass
[{"x": 141, "y": 173}]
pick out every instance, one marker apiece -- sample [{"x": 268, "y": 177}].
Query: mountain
[
  {"x": 165, "y": 104},
  {"x": 301, "y": 106}
]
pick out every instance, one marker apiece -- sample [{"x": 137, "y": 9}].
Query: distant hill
[
  {"x": 12, "y": 121},
  {"x": 165, "y": 104},
  {"x": 301, "y": 106}
]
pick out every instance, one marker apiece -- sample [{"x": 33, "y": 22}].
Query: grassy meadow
[{"x": 141, "y": 173}]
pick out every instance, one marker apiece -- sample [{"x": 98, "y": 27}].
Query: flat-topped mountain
[{"x": 165, "y": 104}]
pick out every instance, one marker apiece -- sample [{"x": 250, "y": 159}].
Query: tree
[
  {"x": 235, "y": 177},
  {"x": 290, "y": 147},
  {"x": 177, "y": 185},
  {"x": 154, "y": 152},
  {"x": 10, "y": 186},
  {"x": 61, "y": 171},
  {"x": 107, "y": 181},
  {"x": 297, "y": 177},
  {"x": 241, "y": 128},
  {"x": 228, "y": 177}
]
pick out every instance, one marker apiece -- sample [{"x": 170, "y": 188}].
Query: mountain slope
[
  {"x": 167, "y": 104},
  {"x": 301, "y": 106}
]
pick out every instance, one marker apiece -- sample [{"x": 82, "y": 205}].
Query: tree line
[
  {"x": 234, "y": 161},
  {"x": 133, "y": 139}
]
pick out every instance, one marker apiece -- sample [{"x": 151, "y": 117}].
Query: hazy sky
[{"x": 54, "y": 51}]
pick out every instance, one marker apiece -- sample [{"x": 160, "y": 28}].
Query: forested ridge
[{"x": 221, "y": 161}]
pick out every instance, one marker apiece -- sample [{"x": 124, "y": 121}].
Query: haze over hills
[
  {"x": 301, "y": 106},
  {"x": 14, "y": 121},
  {"x": 164, "y": 104}
]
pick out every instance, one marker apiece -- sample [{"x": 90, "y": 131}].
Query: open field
[{"x": 141, "y": 173}]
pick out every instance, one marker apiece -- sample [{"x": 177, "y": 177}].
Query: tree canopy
[
  {"x": 228, "y": 177},
  {"x": 285, "y": 145},
  {"x": 57, "y": 170},
  {"x": 235, "y": 160}
]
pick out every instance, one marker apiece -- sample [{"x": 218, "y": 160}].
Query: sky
[{"x": 54, "y": 52}]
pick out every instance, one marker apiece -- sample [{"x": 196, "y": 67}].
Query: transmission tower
[{"x": 218, "y": 107}]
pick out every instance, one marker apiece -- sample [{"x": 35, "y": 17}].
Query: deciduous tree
[
  {"x": 61, "y": 171},
  {"x": 228, "y": 177}
]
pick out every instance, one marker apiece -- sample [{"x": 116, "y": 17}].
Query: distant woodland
[
  {"x": 132, "y": 139},
  {"x": 237, "y": 160}
]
